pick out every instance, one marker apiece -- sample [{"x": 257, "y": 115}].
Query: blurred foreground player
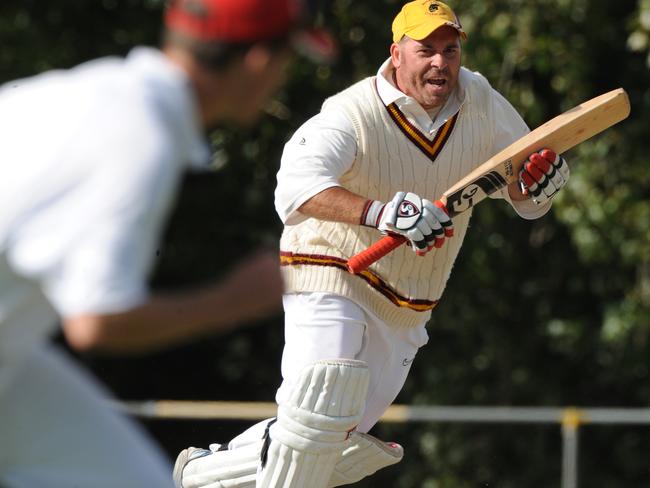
[{"x": 91, "y": 160}]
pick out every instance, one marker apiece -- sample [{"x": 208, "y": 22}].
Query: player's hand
[
  {"x": 425, "y": 224},
  {"x": 543, "y": 175}
]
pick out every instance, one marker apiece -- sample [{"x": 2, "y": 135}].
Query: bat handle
[{"x": 360, "y": 261}]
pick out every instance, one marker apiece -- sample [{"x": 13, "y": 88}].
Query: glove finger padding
[
  {"x": 558, "y": 172},
  {"x": 543, "y": 175},
  {"x": 442, "y": 226}
]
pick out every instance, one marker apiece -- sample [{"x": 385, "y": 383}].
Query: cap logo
[{"x": 433, "y": 7}]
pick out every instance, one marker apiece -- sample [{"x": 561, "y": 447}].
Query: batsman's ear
[{"x": 395, "y": 54}]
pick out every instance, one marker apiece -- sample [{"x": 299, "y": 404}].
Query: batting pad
[
  {"x": 314, "y": 424},
  {"x": 237, "y": 467}
]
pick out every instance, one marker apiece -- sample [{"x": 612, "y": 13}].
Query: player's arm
[
  {"x": 423, "y": 223},
  {"x": 335, "y": 204},
  {"x": 314, "y": 160},
  {"x": 252, "y": 290},
  {"x": 97, "y": 279}
]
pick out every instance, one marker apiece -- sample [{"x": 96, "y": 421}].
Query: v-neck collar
[{"x": 429, "y": 147}]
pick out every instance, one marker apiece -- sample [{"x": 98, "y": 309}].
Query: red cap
[{"x": 248, "y": 21}]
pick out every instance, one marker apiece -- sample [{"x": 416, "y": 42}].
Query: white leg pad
[
  {"x": 237, "y": 467},
  {"x": 364, "y": 456},
  {"x": 314, "y": 424}
]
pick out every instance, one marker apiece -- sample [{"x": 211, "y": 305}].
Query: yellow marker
[{"x": 573, "y": 417}]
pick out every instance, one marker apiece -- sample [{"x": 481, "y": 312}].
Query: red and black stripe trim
[
  {"x": 364, "y": 214},
  {"x": 295, "y": 259},
  {"x": 430, "y": 148}
]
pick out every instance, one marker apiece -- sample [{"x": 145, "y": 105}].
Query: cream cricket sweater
[{"x": 393, "y": 155}]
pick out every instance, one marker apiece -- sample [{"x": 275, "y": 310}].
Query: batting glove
[
  {"x": 425, "y": 224},
  {"x": 543, "y": 175}
]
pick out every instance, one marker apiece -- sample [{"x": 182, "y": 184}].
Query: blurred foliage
[{"x": 550, "y": 312}]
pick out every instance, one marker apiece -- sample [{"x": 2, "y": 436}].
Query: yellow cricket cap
[{"x": 420, "y": 18}]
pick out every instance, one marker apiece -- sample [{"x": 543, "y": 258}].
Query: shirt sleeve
[
  {"x": 314, "y": 159},
  {"x": 509, "y": 127}
]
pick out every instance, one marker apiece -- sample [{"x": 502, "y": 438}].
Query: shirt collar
[
  {"x": 174, "y": 96},
  {"x": 413, "y": 111}
]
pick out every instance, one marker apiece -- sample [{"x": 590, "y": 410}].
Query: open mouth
[{"x": 437, "y": 81}]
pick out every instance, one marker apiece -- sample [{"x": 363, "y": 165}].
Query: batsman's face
[{"x": 427, "y": 70}]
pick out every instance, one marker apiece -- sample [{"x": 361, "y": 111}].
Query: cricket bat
[{"x": 558, "y": 134}]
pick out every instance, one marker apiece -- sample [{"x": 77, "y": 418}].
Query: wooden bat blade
[{"x": 559, "y": 134}]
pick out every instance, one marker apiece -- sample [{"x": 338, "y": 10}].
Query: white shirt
[
  {"x": 325, "y": 146},
  {"x": 90, "y": 159}
]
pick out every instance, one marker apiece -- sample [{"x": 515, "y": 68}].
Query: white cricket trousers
[
  {"x": 57, "y": 431},
  {"x": 325, "y": 326}
]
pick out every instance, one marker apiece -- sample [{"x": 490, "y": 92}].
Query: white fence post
[{"x": 571, "y": 420}]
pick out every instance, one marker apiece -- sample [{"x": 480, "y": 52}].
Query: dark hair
[{"x": 216, "y": 55}]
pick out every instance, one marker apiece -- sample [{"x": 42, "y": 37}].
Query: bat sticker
[
  {"x": 509, "y": 169},
  {"x": 463, "y": 199}
]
